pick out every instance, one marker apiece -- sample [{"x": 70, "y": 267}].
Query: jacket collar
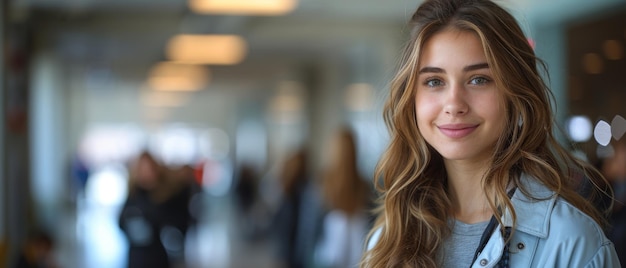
[{"x": 532, "y": 211}]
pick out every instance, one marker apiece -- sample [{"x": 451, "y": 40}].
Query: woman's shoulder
[
  {"x": 549, "y": 216},
  {"x": 569, "y": 221},
  {"x": 560, "y": 227}
]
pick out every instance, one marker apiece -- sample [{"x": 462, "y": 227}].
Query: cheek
[
  {"x": 425, "y": 111},
  {"x": 497, "y": 113}
]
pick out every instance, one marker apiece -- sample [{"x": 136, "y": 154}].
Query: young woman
[
  {"x": 473, "y": 176},
  {"x": 347, "y": 199}
]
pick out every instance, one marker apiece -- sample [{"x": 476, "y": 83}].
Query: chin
[{"x": 457, "y": 154}]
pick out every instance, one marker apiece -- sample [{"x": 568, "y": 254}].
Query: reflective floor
[{"x": 89, "y": 237}]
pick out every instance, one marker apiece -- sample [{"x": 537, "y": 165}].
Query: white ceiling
[{"x": 134, "y": 32}]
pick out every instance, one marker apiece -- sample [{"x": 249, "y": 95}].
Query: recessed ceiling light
[
  {"x": 207, "y": 49},
  {"x": 243, "y": 7},
  {"x": 168, "y": 76}
]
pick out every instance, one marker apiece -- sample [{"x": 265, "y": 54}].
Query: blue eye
[
  {"x": 479, "y": 80},
  {"x": 433, "y": 83}
]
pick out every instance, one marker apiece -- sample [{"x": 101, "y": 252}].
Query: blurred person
[
  {"x": 246, "y": 186},
  {"x": 296, "y": 221},
  {"x": 614, "y": 169},
  {"x": 247, "y": 200},
  {"x": 347, "y": 197},
  {"x": 473, "y": 175},
  {"x": 141, "y": 219},
  {"x": 178, "y": 212}
]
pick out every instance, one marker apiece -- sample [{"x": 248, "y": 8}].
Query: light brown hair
[
  {"x": 343, "y": 187},
  {"x": 414, "y": 207}
]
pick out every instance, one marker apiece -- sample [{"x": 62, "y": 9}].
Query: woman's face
[{"x": 460, "y": 112}]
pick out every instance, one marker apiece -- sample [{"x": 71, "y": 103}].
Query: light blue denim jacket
[{"x": 550, "y": 232}]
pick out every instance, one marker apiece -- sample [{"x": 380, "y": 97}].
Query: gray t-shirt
[{"x": 459, "y": 248}]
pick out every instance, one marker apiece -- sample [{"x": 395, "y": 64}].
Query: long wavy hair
[{"x": 414, "y": 205}]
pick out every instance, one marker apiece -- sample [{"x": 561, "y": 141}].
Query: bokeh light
[
  {"x": 613, "y": 49},
  {"x": 108, "y": 186},
  {"x": 579, "y": 128},
  {"x": 602, "y": 133},
  {"x": 618, "y": 127},
  {"x": 593, "y": 64},
  {"x": 604, "y": 151}
]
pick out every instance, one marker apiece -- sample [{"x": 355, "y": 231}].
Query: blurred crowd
[
  {"x": 305, "y": 216},
  {"x": 321, "y": 218},
  {"x": 158, "y": 212}
]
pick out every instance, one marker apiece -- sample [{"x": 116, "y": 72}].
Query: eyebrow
[
  {"x": 474, "y": 67},
  {"x": 468, "y": 68}
]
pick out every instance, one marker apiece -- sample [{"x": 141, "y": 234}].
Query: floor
[{"x": 89, "y": 237}]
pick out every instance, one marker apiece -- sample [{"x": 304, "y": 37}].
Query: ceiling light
[
  {"x": 243, "y": 7},
  {"x": 207, "y": 49},
  {"x": 168, "y": 76}
]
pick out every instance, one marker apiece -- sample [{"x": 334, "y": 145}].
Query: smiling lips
[{"x": 457, "y": 131}]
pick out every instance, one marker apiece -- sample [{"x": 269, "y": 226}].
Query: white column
[{"x": 48, "y": 154}]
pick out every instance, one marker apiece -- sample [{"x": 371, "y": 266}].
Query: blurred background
[{"x": 240, "y": 105}]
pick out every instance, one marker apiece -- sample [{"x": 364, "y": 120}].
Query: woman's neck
[{"x": 469, "y": 202}]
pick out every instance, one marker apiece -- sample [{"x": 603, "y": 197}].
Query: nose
[{"x": 455, "y": 102}]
